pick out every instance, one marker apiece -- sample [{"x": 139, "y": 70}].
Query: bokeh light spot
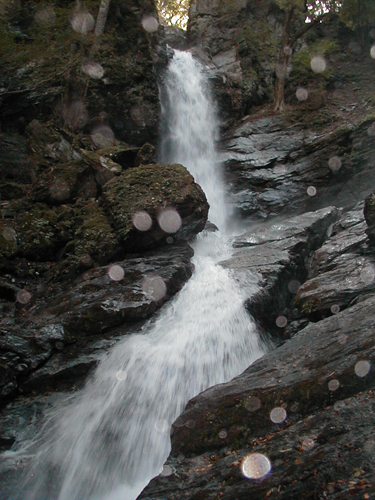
[
  {"x": 121, "y": 375},
  {"x": 334, "y": 164},
  {"x": 335, "y": 309},
  {"x": 46, "y": 16},
  {"x": 223, "y": 434},
  {"x": 103, "y": 136},
  {"x": 293, "y": 286},
  {"x": 169, "y": 220},
  {"x": 318, "y": 64},
  {"x": 142, "y": 221},
  {"x": 75, "y": 114},
  {"x": 252, "y": 403},
  {"x": 116, "y": 273},
  {"x": 308, "y": 444},
  {"x": 343, "y": 339},
  {"x": 154, "y": 287},
  {"x": 302, "y": 94},
  {"x": 288, "y": 51},
  {"x": 150, "y": 24},
  {"x": 362, "y": 368},
  {"x": 255, "y": 466},
  {"x": 281, "y": 321},
  {"x": 92, "y": 69},
  {"x": 333, "y": 385},
  {"x": 190, "y": 424},
  {"x": 162, "y": 426},
  {"x": 82, "y": 22},
  {"x": 311, "y": 191},
  {"x": 59, "y": 190},
  {"x": 278, "y": 415},
  {"x": 372, "y": 52},
  {"x": 9, "y": 234},
  {"x": 23, "y": 296}
]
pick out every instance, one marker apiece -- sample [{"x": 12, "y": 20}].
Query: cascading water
[
  {"x": 191, "y": 131},
  {"x": 113, "y": 437}
]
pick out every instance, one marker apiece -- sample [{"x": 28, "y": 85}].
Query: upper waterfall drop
[{"x": 190, "y": 130}]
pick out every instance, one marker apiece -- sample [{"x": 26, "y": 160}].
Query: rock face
[
  {"x": 271, "y": 263},
  {"x": 275, "y": 168},
  {"x": 52, "y": 332},
  {"x": 230, "y": 36},
  {"x": 369, "y": 212},
  {"x": 299, "y": 405}
]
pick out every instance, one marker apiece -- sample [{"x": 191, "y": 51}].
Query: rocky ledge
[{"x": 298, "y": 422}]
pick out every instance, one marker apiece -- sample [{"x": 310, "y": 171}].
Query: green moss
[
  {"x": 95, "y": 237},
  {"x": 38, "y": 232},
  {"x": 149, "y": 188},
  {"x": 302, "y": 71}
]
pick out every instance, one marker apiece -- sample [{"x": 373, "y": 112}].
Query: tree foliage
[
  {"x": 300, "y": 17},
  {"x": 174, "y": 12}
]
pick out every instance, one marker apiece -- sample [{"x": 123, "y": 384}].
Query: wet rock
[
  {"x": 38, "y": 234},
  {"x": 271, "y": 259},
  {"x": 369, "y": 213},
  {"x": 326, "y": 454},
  {"x": 175, "y": 37},
  {"x": 350, "y": 276},
  {"x": 154, "y": 190},
  {"x": 341, "y": 271},
  {"x": 274, "y": 167},
  {"x": 322, "y": 430},
  {"x": 57, "y": 336}
]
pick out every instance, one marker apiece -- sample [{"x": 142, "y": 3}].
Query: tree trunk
[
  {"x": 102, "y": 17},
  {"x": 280, "y": 85},
  {"x": 282, "y": 63}
]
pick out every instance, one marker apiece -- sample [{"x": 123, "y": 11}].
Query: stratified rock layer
[{"x": 321, "y": 381}]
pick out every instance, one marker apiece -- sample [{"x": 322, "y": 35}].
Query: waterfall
[
  {"x": 191, "y": 130},
  {"x": 111, "y": 438}
]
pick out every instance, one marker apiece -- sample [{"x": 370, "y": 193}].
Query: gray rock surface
[
  {"x": 275, "y": 167},
  {"x": 323, "y": 379},
  {"x": 271, "y": 263}
]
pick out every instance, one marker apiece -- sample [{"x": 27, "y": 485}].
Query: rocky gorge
[{"x": 80, "y": 181}]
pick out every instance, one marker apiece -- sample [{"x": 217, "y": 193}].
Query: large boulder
[{"x": 148, "y": 204}]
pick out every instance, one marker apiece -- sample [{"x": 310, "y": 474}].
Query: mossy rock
[
  {"x": 40, "y": 232},
  {"x": 150, "y": 189},
  {"x": 90, "y": 239},
  {"x": 64, "y": 183},
  {"x": 95, "y": 237}
]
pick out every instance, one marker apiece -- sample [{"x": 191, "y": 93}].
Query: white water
[
  {"x": 111, "y": 439},
  {"x": 192, "y": 130}
]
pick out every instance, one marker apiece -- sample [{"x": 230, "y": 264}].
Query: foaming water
[
  {"x": 191, "y": 130},
  {"x": 110, "y": 439}
]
